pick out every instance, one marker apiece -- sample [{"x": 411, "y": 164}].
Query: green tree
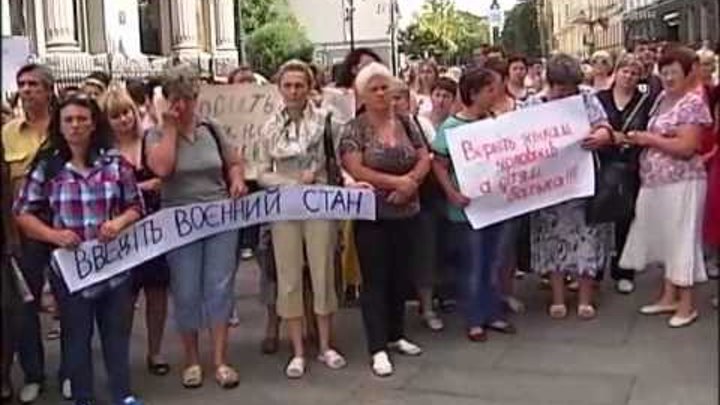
[
  {"x": 520, "y": 33},
  {"x": 443, "y": 32},
  {"x": 272, "y": 35},
  {"x": 272, "y": 44},
  {"x": 256, "y": 13}
]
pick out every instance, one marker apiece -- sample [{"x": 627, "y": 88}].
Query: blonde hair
[
  {"x": 398, "y": 86},
  {"x": 706, "y": 55},
  {"x": 116, "y": 101},
  {"x": 371, "y": 71}
]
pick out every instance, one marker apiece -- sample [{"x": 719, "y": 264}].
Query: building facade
[
  {"x": 580, "y": 27},
  {"x": 334, "y": 26},
  {"x": 691, "y": 22},
  {"x": 125, "y": 36}
]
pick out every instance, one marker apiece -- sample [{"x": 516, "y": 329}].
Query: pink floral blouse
[{"x": 658, "y": 168}]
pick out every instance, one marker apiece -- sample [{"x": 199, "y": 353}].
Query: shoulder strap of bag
[
  {"x": 631, "y": 117},
  {"x": 216, "y": 137},
  {"x": 328, "y": 143},
  {"x": 422, "y": 134}
]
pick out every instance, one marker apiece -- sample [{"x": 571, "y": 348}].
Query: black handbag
[
  {"x": 332, "y": 167},
  {"x": 615, "y": 185}
]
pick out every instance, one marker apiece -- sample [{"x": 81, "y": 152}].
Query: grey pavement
[{"x": 620, "y": 358}]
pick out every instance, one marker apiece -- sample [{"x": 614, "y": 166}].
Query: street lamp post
[
  {"x": 393, "y": 34},
  {"x": 350, "y": 18},
  {"x": 495, "y": 21}
]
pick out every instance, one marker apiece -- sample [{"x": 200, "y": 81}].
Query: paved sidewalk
[{"x": 621, "y": 358}]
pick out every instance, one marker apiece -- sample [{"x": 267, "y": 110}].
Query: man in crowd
[{"x": 22, "y": 138}]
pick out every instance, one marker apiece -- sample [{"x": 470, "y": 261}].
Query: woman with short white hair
[{"x": 383, "y": 149}]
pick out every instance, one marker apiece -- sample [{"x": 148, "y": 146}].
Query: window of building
[{"x": 150, "y": 24}]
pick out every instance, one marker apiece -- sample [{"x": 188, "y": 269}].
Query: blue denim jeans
[
  {"x": 202, "y": 275},
  {"x": 112, "y": 310},
  {"x": 478, "y": 272}
]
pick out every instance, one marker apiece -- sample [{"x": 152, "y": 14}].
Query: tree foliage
[
  {"x": 443, "y": 32},
  {"x": 273, "y": 35},
  {"x": 520, "y": 33},
  {"x": 276, "y": 42}
]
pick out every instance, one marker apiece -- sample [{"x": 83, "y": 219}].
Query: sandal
[
  {"x": 477, "y": 335},
  {"x": 157, "y": 366},
  {"x": 332, "y": 359},
  {"x": 226, "y": 377},
  {"x": 192, "y": 377},
  {"x": 558, "y": 311},
  {"x": 586, "y": 312},
  {"x": 296, "y": 368}
]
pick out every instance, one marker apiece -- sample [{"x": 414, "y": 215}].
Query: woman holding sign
[
  {"x": 480, "y": 251},
  {"x": 87, "y": 191},
  {"x": 297, "y": 154},
  {"x": 153, "y": 275},
  {"x": 562, "y": 241},
  {"x": 198, "y": 164},
  {"x": 670, "y": 206},
  {"x": 382, "y": 149}
]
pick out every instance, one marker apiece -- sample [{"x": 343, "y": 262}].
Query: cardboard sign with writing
[
  {"x": 242, "y": 110},
  {"x": 523, "y": 161}
]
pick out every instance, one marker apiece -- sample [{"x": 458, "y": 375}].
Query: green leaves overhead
[{"x": 443, "y": 32}]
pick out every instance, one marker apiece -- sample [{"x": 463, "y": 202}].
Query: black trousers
[{"x": 386, "y": 249}]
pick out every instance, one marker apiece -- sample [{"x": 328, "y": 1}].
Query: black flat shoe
[{"x": 160, "y": 368}]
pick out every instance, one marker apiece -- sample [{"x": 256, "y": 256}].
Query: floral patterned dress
[
  {"x": 669, "y": 209},
  {"x": 560, "y": 239}
]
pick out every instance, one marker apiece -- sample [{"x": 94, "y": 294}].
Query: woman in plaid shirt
[{"x": 79, "y": 189}]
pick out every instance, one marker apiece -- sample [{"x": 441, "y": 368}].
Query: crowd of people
[{"x": 92, "y": 160}]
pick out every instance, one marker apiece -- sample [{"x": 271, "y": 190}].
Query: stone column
[
  {"x": 225, "y": 25},
  {"x": 6, "y": 22},
  {"x": 60, "y": 26},
  {"x": 185, "y": 26},
  {"x": 225, "y": 54}
]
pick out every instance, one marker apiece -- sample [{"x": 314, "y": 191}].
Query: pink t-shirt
[{"x": 658, "y": 168}]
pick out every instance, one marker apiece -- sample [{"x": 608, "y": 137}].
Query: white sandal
[
  {"x": 296, "y": 368},
  {"x": 332, "y": 359}
]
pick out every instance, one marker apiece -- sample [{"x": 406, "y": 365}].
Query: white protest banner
[
  {"x": 242, "y": 110},
  {"x": 93, "y": 261},
  {"x": 523, "y": 161}
]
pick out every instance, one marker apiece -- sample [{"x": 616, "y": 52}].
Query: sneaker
[
  {"x": 66, "y": 389},
  {"x": 30, "y": 393},
  {"x": 625, "y": 286},
  {"x": 131, "y": 400},
  {"x": 246, "y": 254},
  {"x": 405, "y": 347},
  {"x": 520, "y": 274},
  {"x": 381, "y": 365}
]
